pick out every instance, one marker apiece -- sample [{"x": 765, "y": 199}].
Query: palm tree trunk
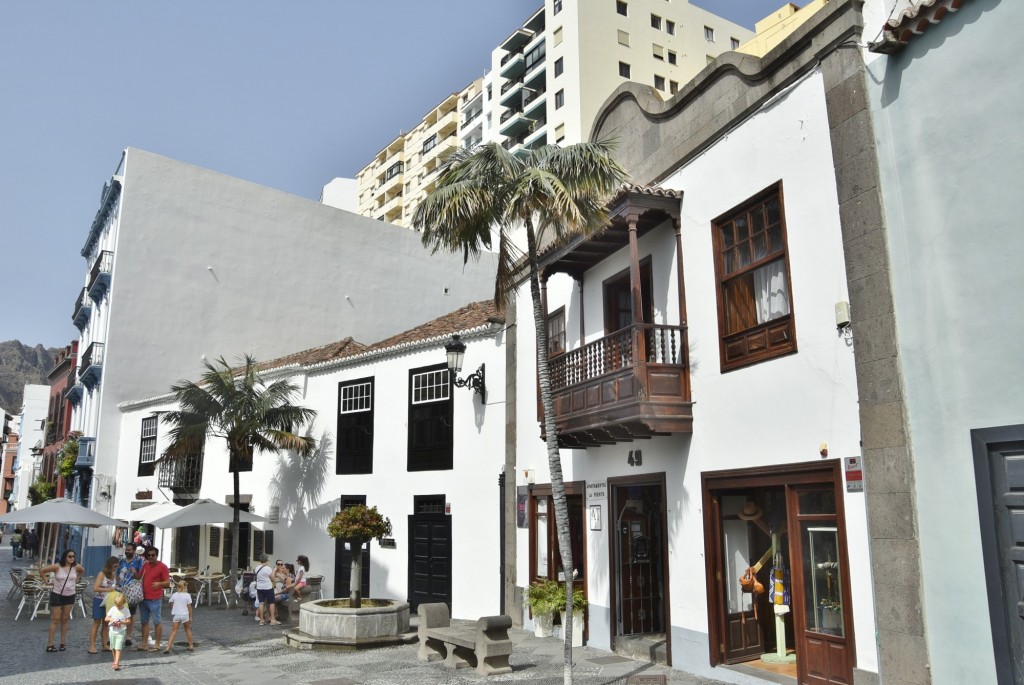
[
  {"x": 355, "y": 581},
  {"x": 551, "y": 440},
  {"x": 234, "y": 534}
]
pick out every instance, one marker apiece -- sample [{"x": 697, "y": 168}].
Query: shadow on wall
[{"x": 298, "y": 489}]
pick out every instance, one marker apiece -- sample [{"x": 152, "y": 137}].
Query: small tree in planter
[{"x": 358, "y": 525}]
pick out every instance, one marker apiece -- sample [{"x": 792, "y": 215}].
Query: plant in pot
[
  {"x": 357, "y": 525},
  {"x": 544, "y": 597},
  {"x": 579, "y": 603}
]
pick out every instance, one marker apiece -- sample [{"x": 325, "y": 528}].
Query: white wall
[
  {"x": 307, "y": 492},
  {"x": 786, "y": 407},
  {"x": 341, "y": 193},
  {"x": 31, "y": 434}
]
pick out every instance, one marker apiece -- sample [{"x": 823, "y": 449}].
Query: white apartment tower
[{"x": 546, "y": 83}]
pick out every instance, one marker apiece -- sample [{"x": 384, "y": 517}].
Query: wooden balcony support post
[
  {"x": 639, "y": 339},
  {"x": 583, "y": 330},
  {"x": 684, "y": 342}
]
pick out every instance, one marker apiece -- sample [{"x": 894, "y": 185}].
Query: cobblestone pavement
[{"x": 231, "y": 648}]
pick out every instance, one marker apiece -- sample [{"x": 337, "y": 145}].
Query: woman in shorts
[
  {"x": 103, "y": 586},
  {"x": 62, "y": 597}
]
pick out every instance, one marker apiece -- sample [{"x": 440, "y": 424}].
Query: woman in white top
[
  {"x": 265, "y": 592},
  {"x": 104, "y": 585},
  {"x": 62, "y": 597}
]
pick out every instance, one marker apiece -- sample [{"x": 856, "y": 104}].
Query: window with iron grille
[
  {"x": 147, "y": 447},
  {"x": 355, "y": 427},
  {"x": 428, "y": 504},
  {"x": 430, "y": 419}
]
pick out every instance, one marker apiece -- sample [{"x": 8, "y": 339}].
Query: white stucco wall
[
  {"x": 307, "y": 502},
  {"x": 31, "y": 434},
  {"x": 785, "y": 407},
  {"x": 947, "y": 124},
  {"x": 209, "y": 265}
]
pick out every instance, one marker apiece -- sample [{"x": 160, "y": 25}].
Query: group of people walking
[
  {"x": 24, "y": 543},
  {"x": 130, "y": 589}
]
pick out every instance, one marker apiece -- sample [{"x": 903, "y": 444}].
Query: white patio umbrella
[
  {"x": 61, "y": 510},
  {"x": 149, "y": 512},
  {"x": 201, "y": 512}
]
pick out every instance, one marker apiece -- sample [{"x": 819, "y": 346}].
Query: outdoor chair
[
  {"x": 314, "y": 586},
  {"x": 35, "y": 593},
  {"x": 79, "y": 598},
  {"x": 222, "y": 587},
  {"x": 17, "y": 578},
  {"x": 196, "y": 588}
]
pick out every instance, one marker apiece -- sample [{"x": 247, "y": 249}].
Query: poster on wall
[
  {"x": 595, "y": 517},
  {"x": 522, "y": 495}
]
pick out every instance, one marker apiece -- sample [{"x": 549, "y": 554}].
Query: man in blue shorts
[{"x": 155, "y": 577}]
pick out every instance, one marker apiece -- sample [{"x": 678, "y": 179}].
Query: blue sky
[{"x": 285, "y": 94}]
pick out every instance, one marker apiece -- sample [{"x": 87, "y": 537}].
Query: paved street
[{"x": 231, "y": 648}]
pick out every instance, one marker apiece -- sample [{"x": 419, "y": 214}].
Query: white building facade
[
  {"x": 707, "y": 404},
  {"x": 400, "y": 435},
  {"x": 187, "y": 264}
]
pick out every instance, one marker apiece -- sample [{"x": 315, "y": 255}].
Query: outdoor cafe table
[{"x": 210, "y": 580}]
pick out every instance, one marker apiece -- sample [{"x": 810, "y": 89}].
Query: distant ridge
[{"x": 21, "y": 364}]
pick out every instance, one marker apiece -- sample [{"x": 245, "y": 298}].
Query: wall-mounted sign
[
  {"x": 388, "y": 543},
  {"x": 597, "y": 492},
  {"x": 854, "y": 474},
  {"x": 595, "y": 517}
]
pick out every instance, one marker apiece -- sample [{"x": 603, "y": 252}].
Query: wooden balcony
[{"x": 631, "y": 384}]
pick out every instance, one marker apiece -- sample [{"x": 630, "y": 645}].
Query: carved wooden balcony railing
[{"x": 633, "y": 383}]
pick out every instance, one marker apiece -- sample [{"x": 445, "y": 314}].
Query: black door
[
  {"x": 243, "y": 548},
  {"x": 186, "y": 546},
  {"x": 430, "y": 559}
]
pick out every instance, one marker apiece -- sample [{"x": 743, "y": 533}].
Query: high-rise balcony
[
  {"x": 183, "y": 474},
  {"x": 75, "y": 390},
  {"x": 513, "y": 122},
  {"x": 513, "y": 65},
  {"x": 83, "y": 310},
  {"x": 99, "y": 275},
  {"x": 92, "y": 365},
  {"x": 86, "y": 453}
]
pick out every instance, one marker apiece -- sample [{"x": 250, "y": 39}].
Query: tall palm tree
[
  {"x": 553, "y": 194},
  {"x": 245, "y": 410}
]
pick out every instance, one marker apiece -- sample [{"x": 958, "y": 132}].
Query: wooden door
[
  {"x": 821, "y": 586},
  {"x": 430, "y": 559}
]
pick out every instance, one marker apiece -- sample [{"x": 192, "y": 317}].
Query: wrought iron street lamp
[{"x": 456, "y": 350}]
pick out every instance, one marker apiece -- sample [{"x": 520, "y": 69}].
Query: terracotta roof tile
[{"x": 912, "y": 21}]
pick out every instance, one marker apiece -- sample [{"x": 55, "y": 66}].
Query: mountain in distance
[{"x": 21, "y": 364}]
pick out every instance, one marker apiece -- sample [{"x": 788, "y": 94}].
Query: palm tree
[
  {"x": 249, "y": 413},
  {"x": 554, "y": 194}
]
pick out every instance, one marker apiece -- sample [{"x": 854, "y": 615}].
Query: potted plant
[
  {"x": 358, "y": 525},
  {"x": 544, "y": 597},
  {"x": 579, "y": 603}
]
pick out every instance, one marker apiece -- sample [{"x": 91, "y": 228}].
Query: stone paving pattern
[{"x": 231, "y": 648}]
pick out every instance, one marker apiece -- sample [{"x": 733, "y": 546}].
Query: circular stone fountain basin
[{"x": 330, "y": 623}]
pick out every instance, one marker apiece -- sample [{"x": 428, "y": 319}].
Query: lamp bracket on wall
[{"x": 456, "y": 351}]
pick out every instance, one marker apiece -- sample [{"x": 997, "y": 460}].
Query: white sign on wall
[{"x": 597, "y": 492}]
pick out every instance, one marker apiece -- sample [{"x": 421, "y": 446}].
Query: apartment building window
[
  {"x": 659, "y": 82},
  {"x": 671, "y": 57},
  {"x": 355, "y": 427},
  {"x": 489, "y": 92},
  {"x": 673, "y": 87},
  {"x": 559, "y": 133},
  {"x": 430, "y": 419},
  {"x": 658, "y": 51},
  {"x": 709, "y": 34},
  {"x": 670, "y": 27},
  {"x": 556, "y": 7},
  {"x": 735, "y": 43},
  {"x": 752, "y": 268},
  {"x": 556, "y": 36},
  {"x": 623, "y": 38},
  {"x": 621, "y": 8},
  {"x": 558, "y": 66},
  {"x": 556, "y": 332},
  {"x": 393, "y": 171},
  {"x": 147, "y": 447},
  {"x": 430, "y": 143},
  {"x": 559, "y": 99},
  {"x": 655, "y": 22},
  {"x": 623, "y": 70}
]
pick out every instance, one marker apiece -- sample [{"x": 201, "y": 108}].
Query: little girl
[
  {"x": 118, "y": 617},
  {"x": 301, "y": 566},
  {"x": 181, "y": 612}
]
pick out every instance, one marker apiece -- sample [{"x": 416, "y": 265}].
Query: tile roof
[
  {"x": 334, "y": 350},
  {"x": 912, "y": 21},
  {"x": 637, "y": 188}
]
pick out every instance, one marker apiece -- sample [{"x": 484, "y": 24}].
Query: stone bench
[{"x": 485, "y": 646}]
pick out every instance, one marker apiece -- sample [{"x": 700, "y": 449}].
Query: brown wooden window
[
  {"x": 147, "y": 447},
  {"x": 755, "y": 305},
  {"x": 618, "y": 299},
  {"x": 556, "y": 332}
]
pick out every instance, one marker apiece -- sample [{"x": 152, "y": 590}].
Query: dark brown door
[
  {"x": 1007, "y": 467},
  {"x": 430, "y": 559},
  {"x": 618, "y": 300},
  {"x": 639, "y": 585},
  {"x": 822, "y": 621}
]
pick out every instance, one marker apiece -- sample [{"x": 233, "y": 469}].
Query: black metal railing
[
  {"x": 93, "y": 356},
  {"x": 181, "y": 473},
  {"x": 103, "y": 264},
  {"x": 81, "y": 303}
]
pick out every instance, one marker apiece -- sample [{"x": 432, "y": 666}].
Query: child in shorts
[
  {"x": 181, "y": 613},
  {"x": 117, "y": 618}
]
